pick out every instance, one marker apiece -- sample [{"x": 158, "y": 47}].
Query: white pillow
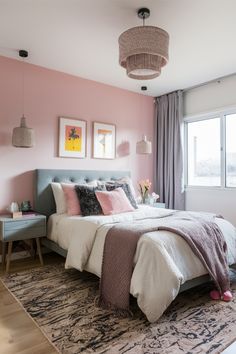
[
  {"x": 93, "y": 183},
  {"x": 59, "y": 197}
]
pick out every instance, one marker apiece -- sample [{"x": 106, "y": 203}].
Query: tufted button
[{"x": 72, "y": 179}]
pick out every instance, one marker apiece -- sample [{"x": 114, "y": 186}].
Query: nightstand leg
[
  {"x": 9, "y": 256},
  {"x": 39, "y": 250},
  {"x": 3, "y": 255},
  {"x": 32, "y": 249}
]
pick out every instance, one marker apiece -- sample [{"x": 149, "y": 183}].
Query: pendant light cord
[
  {"x": 23, "y": 54},
  {"x": 23, "y": 86}
]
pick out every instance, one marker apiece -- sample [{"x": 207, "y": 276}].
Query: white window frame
[{"x": 221, "y": 113}]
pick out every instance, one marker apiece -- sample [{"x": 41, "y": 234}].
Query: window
[
  {"x": 211, "y": 151},
  {"x": 231, "y": 150}
]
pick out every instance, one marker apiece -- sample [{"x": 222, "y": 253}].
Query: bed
[{"x": 164, "y": 264}]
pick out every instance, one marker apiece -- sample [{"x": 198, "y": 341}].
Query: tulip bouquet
[{"x": 144, "y": 187}]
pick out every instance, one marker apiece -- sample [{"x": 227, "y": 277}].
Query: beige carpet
[{"x": 63, "y": 305}]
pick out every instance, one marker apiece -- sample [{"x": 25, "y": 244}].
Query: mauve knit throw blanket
[{"x": 198, "y": 229}]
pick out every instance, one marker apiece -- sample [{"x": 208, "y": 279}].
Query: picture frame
[
  {"x": 72, "y": 137},
  {"x": 104, "y": 140}
]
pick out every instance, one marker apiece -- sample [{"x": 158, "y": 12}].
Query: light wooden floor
[
  {"x": 18, "y": 332},
  {"x": 231, "y": 349}
]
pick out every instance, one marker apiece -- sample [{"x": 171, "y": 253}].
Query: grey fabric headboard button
[{"x": 43, "y": 197}]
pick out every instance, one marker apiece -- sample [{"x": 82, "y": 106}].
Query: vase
[{"x": 145, "y": 199}]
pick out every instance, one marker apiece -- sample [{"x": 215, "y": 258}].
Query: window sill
[{"x": 190, "y": 188}]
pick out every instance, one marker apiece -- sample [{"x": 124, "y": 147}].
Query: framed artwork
[
  {"x": 72, "y": 137},
  {"x": 104, "y": 140}
]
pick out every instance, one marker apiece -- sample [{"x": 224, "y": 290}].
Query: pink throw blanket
[{"x": 198, "y": 229}]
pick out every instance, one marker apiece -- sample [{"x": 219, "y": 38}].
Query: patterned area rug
[{"x": 62, "y": 302}]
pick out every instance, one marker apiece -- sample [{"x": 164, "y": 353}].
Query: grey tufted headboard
[{"x": 43, "y": 198}]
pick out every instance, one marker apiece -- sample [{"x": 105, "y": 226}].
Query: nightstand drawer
[
  {"x": 24, "y": 233},
  {"x": 23, "y": 224}
]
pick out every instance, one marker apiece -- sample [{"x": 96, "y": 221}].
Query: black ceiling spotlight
[
  {"x": 23, "y": 53},
  {"x": 144, "y": 88}
]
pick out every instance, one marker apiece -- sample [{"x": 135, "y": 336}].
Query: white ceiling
[{"x": 80, "y": 37}]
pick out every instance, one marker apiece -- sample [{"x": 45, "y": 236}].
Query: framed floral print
[
  {"x": 72, "y": 137},
  {"x": 104, "y": 140}
]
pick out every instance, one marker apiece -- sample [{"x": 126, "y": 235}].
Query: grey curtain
[{"x": 169, "y": 152}]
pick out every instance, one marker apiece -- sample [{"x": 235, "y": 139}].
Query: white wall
[
  {"x": 207, "y": 98},
  {"x": 221, "y": 201},
  {"x": 210, "y": 97}
]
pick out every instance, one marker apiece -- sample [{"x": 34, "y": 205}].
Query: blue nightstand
[
  {"x": 159, "y": 205},
  {"x": 25, "y": 228}
]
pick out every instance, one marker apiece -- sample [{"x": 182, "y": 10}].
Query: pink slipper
[
  {"x": 215, "y": 295},
  {"x": 227, "y": 296}
]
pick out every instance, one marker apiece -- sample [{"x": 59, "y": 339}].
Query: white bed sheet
[{"x": 163, "y": 260}]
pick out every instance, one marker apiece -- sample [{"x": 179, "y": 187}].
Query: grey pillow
[
  {"x": 89, "y": 204},
  {"x": 110, "y": 186}
]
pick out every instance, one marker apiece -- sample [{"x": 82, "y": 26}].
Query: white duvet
[{"x": 163, "y": 260}]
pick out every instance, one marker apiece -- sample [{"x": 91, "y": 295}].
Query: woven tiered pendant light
[
  {"x": 23, "y": 136},
  {"x": 143, "y": 50}
]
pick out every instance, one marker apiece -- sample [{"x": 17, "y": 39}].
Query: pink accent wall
[{"x": 50, "y": 94}]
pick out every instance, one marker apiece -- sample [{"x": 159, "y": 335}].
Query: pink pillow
[
  {"x": 73, "y": 206},
  {"x": 114, "y": 202}
]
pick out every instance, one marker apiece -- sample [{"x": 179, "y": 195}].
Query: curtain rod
[{"x": 209, "y": 82}]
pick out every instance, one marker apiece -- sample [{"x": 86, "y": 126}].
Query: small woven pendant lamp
[{"x": 23, "y": 136}]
